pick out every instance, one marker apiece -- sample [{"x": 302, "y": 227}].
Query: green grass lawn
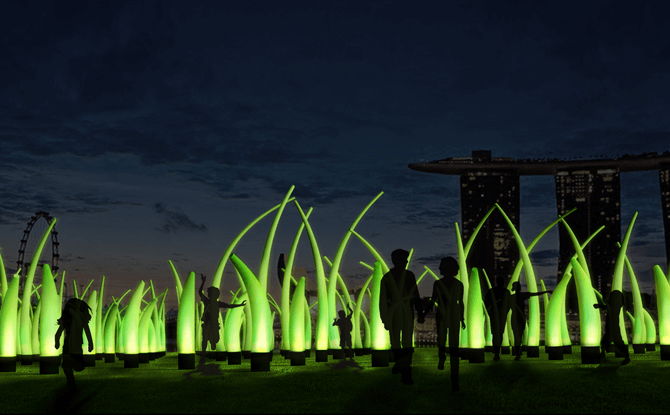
[{"x": 532, "y": 385}]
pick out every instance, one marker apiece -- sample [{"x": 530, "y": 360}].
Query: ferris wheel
[{"x": 31, "y": 239}]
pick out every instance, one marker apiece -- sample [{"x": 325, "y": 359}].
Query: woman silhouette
[{"x": 74, "y": 321}]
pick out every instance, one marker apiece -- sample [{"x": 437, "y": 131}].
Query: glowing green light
[
  {"x": 49, "y": 313},
  {"x": 186, "y": 317},
  {"x": 663, "y": 304},
  {"x": 261, "y": 340},
  {"x": 25, "y": 326},
  {"x": 589, "y": 317},
  {"x": 297, "y": 339},
  {"x": 475, "y": 313},
  {"x": 9, "y": 318}
]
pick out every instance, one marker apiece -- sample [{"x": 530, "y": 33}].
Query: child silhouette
[
  {"x": 74, "y": 321},
  {"x": 345, "y": 326},
  {"x": 210, "y": 317}
]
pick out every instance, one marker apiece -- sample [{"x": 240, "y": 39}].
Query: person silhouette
[
  {"x": 345, "y": 326},
  {"x": 74, "y": 321},
  {"x": 496, "y": 301},
  {"x": 398, "y": 298},
  {"x": 210, "y": 317},
  {"x": 517, "y": 303},
  {"x": 612, "y": 307},
  {"x": 448, "y": 295}
]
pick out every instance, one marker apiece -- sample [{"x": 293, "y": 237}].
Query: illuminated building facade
[
  {"x": 595, "y": 193},
  {"x": 592, "y": 186}
]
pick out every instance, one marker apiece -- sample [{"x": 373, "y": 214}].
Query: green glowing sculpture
[
  {"x": 261, "y": 341},
  {"x": 49, "y": 314},
  {"x": 589, "y": 317},
  {"x": 297, "y": 334},
  {"x": 475, "y": 320},
  {"x": 286, "y": 288},
  {"x": 378, "y": 334},
  {"x": 99, "y": 339},
  {"x": 8, "y": 326},
  {"x": 663, "y": 306},
  {"x": 186, "y": 325},
  {"x": 25, "y": 326},
  {"x": 322, "y": 322},
  {"x": 334, "y": 335},
  {"x": 131, "y": 322}
]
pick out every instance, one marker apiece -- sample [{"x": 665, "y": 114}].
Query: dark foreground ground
[{"x": 532, "y": 385}]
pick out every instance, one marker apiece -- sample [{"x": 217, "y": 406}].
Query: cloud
[{"x": 175, "y": 221}]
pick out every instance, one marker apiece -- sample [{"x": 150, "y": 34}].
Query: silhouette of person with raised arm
[
  {"x": 210, "y": 317},
  {"x": 612, "y": 307},
  {"x": 496, "y": 301},
  {"x": 398, "y": 298},
  {"x": 74, "y": 321},
  {"x": 450, "y": 316},
  {"x": 345, "y": 326},
  {"x": 517, "y": 302}
]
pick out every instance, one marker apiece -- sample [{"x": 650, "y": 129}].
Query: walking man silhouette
[
  {"x": 398, "y": 299},
  {"x": 613, "y": 307},
  {"x": 450, "y": 316}
]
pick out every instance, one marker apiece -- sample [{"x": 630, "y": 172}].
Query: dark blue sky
[{"x": 157, "y": 130}]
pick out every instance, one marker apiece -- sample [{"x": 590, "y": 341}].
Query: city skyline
[{"x": 158, "y": 130}]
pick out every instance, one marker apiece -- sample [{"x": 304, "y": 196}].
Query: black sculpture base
[
  {"x": 109, "y": 358},
  {"x": 131, "y": 361},
  {"x": 665, "y": 352},
  {"x": 651, "y": 347},
  {"x": 221, "y": 356},
  {"x": 488, "y": 349},
  {"x": 260, "y": 362},
  {"x": 99, "y": 356},
  {"x": 504, "y": 350},
  {"x": 246, "y": 354},
  {"x": 234, "y": 358},
  {"x": 26, "y": 359},
  {"x": 567, "y": 349},
  {"x": 307, "y": 354},
  {"x": 322, "y": 355},
  {"x": 590, "y": 355},
  {"x": 49, "y": 365},
  {"x": 532, "y": 351},
  {"x": 297, "y": 358},
  {"x": 8, "y": 364},
  {"x": 89, "y": 360},
  {"x": 476, "y": 355},
  {"x": 380, "y": 358},
  {"x": 185, "y": 361},
  {"x": 639, "y": 348},
  {"x": 337, "y": 353},
  {"x": 554, "y": 352},
  {"x": 143, "y": 358},
  {"x": 359, "y": 352},
  {"x": 463, "y": 352}
]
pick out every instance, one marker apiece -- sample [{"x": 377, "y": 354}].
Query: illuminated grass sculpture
[
  {"x": 25, "y": 321},
  {"x": 663, "y": 305},
  {"x": 49, "y": 314},
  {"x": 8, "y": 324}
]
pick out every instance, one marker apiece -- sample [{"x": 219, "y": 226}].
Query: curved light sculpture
[
  {"x": 8, "y": 326},
  {"x": 475, "y": 320},
  {"x": 49, "y": 314},
  {"x": 334, "y": 335},
  {"x": 131, "y": 321},
  {"x": 186, "y": 325},
  {"x": 589, "y": 318},
  {"x": 321, "y": 332},
  {"x": 25, "y": 325},
  {"x": 297, "y": 334},
  {"x": 663, "y": 305}
]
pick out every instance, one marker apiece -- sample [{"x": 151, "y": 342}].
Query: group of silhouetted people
[{"x": 398, "y": 300}]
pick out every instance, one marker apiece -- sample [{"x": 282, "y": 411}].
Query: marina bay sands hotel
[{"x": 591, "y": 186}]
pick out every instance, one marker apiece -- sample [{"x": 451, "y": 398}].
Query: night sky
[{"x": 157, "y": 130}]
